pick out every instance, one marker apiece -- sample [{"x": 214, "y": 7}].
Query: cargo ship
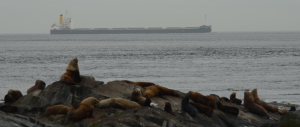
[{"x": 66, "y": 27}]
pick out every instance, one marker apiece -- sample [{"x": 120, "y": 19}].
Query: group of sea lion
[
  {"x": 151, "y": 90},
  {"x": 253, "y": 104},
  {"x": 83, "y": 110},
  {"x": 205, "y": 104},
  {"x": 202, "y": 104},
  {"x": 13, "y": 95}
]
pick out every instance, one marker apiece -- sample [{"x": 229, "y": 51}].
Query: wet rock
[
  {"x": 291, "y": 119},
  {"x": 12, "y": 120}
]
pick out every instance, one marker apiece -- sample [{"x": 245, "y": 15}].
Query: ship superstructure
[
  {"x": 64, "y": 23},
  {"x": 66, "y": 27}
]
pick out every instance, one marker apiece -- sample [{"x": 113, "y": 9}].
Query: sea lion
[
  {"x": 58, "y": 109},
  {"x": 136, "y": 96},
  {"x": 84, "y": 109},
  {"x": 156, "y": 90},
  {"x": 267, "y": 106},
  {"x": 214, "y": 97},
  {"x": 187, "y": 107},
  {"x": 148, "y": 102},
  {"x": 39, "y": 85},
  {"x": 282, "y": 111},
  {"x": 199, "y": 98},
  {"x": 117, "y": 103},
  {"x": 72, "y": 75},
  {"x": 168, "y": 108},
  {"x": 12, "y": 96},
  {"x": 293, "y": 108},
  {"x": 233, "y": 99},
  {"x": 228, "y": 109},
  {"x": 202, "y": 108},
  {"x": 224, "y": 99},
  {"x": 141, "y": 84},
  {"x": 249, "y": 105},
  {"x": 8, "y": 108}
]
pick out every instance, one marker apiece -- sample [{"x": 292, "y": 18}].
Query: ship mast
[
  {"x": 66, "y": 14},
  {"x": 205, "y": 20}
]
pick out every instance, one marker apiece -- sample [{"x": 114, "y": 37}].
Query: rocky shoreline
[{"x": 31, "y": 109}]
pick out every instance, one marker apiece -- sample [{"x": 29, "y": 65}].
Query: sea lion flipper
[
  {"x": 71, "y": 113},
  {"x": 147, "y": 102},
  {"x": 121, "y": 105}
]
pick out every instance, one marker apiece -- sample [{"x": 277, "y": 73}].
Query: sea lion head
[
  {"x": 167, "y": 104},
  {"x": 248, "y": 97},
  {"x": 10, "y": 91},
  {"x": 233, "y": 95},
  {"x": 41, "y": 84},
  {"x": 254, "y": 93},
  {"x": 186, "y": 99},
  {"x": 94, "y": 101},
  {"x": 90, "y": 101},
  {"x": 73, "y": 65},
  {"x": 137, "y": 91}
]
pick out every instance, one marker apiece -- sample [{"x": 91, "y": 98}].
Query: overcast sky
[{"x": 36, "y": 16}]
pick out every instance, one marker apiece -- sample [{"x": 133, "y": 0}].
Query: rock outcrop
[{"x": 33, "y": 106}]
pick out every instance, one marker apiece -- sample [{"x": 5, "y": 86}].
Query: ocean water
[{"x": 209, "y": 63}]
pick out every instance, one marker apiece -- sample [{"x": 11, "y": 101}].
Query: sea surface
[{"x": 209, "y": 63}]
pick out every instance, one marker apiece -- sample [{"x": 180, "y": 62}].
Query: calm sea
[{"x": 209, "y": 63}]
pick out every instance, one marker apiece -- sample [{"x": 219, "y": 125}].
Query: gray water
[{"x": 209, "y": 63}]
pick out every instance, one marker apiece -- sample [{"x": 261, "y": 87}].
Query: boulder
[
  {"x": 13, "y": 120},
  {"x": 36, "y": 103}
]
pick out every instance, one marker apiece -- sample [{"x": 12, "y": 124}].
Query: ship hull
[{"x": 201, "y": 30}]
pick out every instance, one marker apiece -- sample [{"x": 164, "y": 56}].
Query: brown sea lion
[
  {"x": 224, "y": 99},
  {"x": 168, "y": 108},
  {"x": 208, "y": 111},
  {"x": 141, "y": 84},
  {"x": 117, "y": 103},
  {"x": 12, "y": 96},
  {"x": 233, "y": 99},
  {"x": 58, "y": 109},
  {"x": 228, "y": 109},
  {"x": 156, "y": 90},
  {"x": 282, "y": 111},
  {"x": 249, "y": 105},
  {"x": 136, "y": 96},
  {"x": 199, "y": 98},
  {"x": 267, "y": 106},
  {"x": 187, "y": 107},
  {"x": 293, "y": 108},
  {"x": 72, "y": 75},
  {"x": 39, "y": 85},
  {"x": 83, "y": 110},
  {"x": 215, "y": 97}
]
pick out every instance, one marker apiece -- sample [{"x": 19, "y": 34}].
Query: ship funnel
[{"x": 61, "y": 19}]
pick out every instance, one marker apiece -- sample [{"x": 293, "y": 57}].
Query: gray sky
[{"x": 36, "y": 16}]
